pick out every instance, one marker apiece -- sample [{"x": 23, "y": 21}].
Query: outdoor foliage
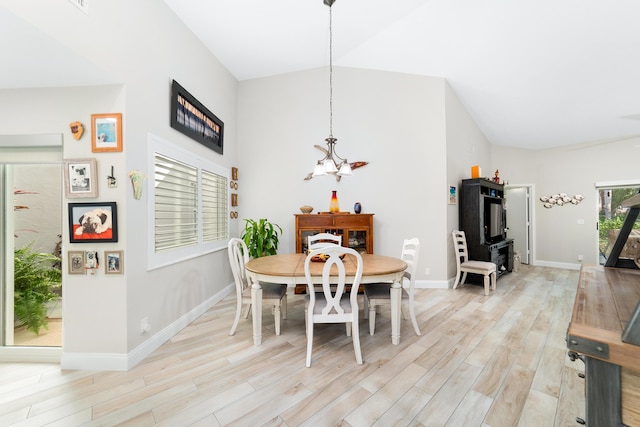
[{"x": 35, "y": 278}]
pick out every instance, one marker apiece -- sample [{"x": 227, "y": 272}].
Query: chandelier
[{"x": 331, "y": 163}]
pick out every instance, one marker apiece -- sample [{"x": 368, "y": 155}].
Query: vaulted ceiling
[{"x": 533, "y": 74}]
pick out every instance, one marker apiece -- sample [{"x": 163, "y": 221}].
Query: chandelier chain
[{"x": 330, "y": 73}]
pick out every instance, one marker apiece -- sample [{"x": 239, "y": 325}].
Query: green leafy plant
[
  {"x": 261, "y": 237},
  {"x": 35, "y": 279}
]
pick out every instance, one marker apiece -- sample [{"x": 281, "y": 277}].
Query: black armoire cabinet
[{"x": 483, "y": 218}]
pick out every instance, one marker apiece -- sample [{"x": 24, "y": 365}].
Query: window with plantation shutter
[{"x": 189, "y": 202}]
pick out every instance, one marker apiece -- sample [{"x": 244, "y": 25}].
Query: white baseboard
[
  {"x": 124, "y": 362},
  {"x": 565, "y": 265}
]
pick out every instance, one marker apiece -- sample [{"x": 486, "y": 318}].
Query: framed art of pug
[{"x": 93, "y": 222}]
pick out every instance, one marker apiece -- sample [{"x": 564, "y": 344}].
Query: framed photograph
[
  {"x": 93, "y": 222},
  {"x": 76, "y": 262},
  {"x": 234, "y": 199},
  {"x": 453, "y": 195},
  {"x": 106, "y": 132},
  {"x": 80, "y": 178},
  {"x": 234, "y": 173},
  {"x": 113, "y": 262},
  {"x": 193, "y": 119}
]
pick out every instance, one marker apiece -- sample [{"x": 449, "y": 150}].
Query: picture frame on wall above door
[
  {"x": 106, "y": 132},
  {"x": 80, "y": 178}
]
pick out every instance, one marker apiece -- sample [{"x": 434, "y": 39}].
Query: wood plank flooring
[{"x": 493, "y": 361}]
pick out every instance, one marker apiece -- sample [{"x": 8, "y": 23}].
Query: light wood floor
[{"x": 481, "y": 361}]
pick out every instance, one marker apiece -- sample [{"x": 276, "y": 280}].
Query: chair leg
[
  {"x": 237, "y": 318},
  {"x": 494, "y": 280},
  {"x": 347, "y": 326},
  {"x": 457, "y": 281},
  {"x": 276, "y": 318},
  {"x": 355, "y": 333},
  {"x": 309, "y": 340},
  {"x": 372, "y": 318},
  {"x": 412, "y": 314},
  {"x": 486, "y": 284}
]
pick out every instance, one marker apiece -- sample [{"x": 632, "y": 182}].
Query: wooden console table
[{"x": 605, "y": 304}]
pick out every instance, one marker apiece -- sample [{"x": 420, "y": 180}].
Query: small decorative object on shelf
[
  {"x": 496, "y": 177},
  {"x": 334, "y": 206},
  {"x": 306, "y": 209},
  {"x": 357, "y": 208}
]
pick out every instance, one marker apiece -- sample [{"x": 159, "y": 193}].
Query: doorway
[
  {"x": 30, "y": 244},
  {"x": 519, "y": 223}
]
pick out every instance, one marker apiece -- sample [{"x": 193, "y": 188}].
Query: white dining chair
[
  {"x": 274, "y": 294},
  {"x": 376, "y": 294},
  {"x": 320, "y": 240},
  {"x": 464, "y": 265},
  {"x": 333, "y": 304}
]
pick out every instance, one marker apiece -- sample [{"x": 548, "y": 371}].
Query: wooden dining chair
[
  {"x": 320, "y": 240},
  {"x": 464, "y": 265},
  {"x": 273, "y": 294},
  {"x": 333, "y": 304},
  {"x": 376, "y": 294}
]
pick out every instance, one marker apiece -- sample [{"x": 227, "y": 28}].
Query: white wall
[
  {"x": 466, "y": 147},
  {"x": 393, "y": 121},
  {"x": 559, "y": 239},
  {"x": 131, "y": 41}
]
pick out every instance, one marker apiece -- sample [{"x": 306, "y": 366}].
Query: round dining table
[{"x": 289, "y": 269}]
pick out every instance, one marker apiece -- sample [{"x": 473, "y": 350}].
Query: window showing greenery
[{"x": 612, "y": 216}]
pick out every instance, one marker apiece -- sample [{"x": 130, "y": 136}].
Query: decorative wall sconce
[{"x": 560, "y": 199}]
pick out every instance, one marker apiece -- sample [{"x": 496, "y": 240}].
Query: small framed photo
[
  {"x": 106, "y": 132},
  {"x": 113, "y": 262},
  {"x": 234, "y": 199},
  {"x": 80, "y": 178},
  {"x": 93, "y": 222},
  {"x": 76, "y": 262},
  {"x": 234, "y": 173},
  {"x": 453, "y": 195}
]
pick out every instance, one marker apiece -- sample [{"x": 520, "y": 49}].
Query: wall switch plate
[{"x": 427, "y": 271}]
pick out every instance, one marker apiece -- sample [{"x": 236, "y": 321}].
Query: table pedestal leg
[
  {"x": 256, "y": 310},
  {"x": 396, "y": 312}
]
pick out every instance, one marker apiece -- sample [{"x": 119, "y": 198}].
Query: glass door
[
  {"x": 31, "y": 264},
  {"x": 611, "y": 216}
]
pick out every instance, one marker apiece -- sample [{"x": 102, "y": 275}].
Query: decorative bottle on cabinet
[{"x": 334, "y": 206}]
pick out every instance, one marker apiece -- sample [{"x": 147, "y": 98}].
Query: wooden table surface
[
  {"x": 292, "y": 265},
  {"x": 604, "y": 304}
]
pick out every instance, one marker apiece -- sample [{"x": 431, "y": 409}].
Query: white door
[{"x": 518, "y": 220}]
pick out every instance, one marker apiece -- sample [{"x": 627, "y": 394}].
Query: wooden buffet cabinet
[{"x": 356, "y": 231}]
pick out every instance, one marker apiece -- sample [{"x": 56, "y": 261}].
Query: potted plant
[
  {"x": 261, "y": 237},
  {"x": 35, "y": 281}
]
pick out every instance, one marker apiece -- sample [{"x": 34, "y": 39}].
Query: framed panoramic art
[
  {"x": 193, "y": 119},
  {"x": 80, "y": 178},
  {"x": 93, "y": 222},
  {"x": 106, "y": 132}
]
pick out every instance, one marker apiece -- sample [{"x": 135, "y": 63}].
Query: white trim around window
[{"x": 204, "y": 207}]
